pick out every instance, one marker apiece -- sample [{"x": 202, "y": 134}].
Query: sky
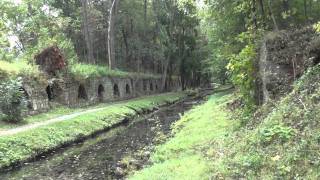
[{"x": 17, "y": 1}]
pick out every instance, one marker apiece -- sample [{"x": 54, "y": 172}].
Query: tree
[
  {"x": 111, "y": 22},
  {"x": 87, "y": 31}
]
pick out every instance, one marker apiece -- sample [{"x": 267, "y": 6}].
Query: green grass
[
  {"x": 40, "y": 117},
  {"x": 78, "y": 70},
  {"x": 85, "y": 71},
  {"x": 281, "y": 141},
  {"x": 28, "y": 144},
  {"x": 284, "y": 142},
  {"x": 184, "y": 155},
  {"x": 64, "y": 110},
  {"x": 18, "y": 68}
]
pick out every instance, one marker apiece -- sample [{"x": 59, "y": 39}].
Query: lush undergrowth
[
  {"x": 184, "y": 156},
  {"x": 84, "y": 71},
  {"x": 78, "y": 70},
  {"x": 19, "y": 68},
  {"x": 63, "y": 110},
  {"x": 28, "y": 144},
  {"x": 281, "y": 141}
]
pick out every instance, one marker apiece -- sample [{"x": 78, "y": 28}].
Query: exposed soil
[{"x": 111, "y": 155}]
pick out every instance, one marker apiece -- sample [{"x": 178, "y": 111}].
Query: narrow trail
[
  {"x": 23, "y": 128},
  {"x": 50, "y": 121},
  {"x": 110, "y": 155}
]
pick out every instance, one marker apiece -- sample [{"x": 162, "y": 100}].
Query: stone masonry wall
[
  {"x": 74, "y": 93},
  {"x": 284, "y": 56}
]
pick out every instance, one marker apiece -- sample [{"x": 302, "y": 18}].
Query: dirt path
[
  {"x": 50, "y": 121},
  {"x": 110, "y": 155}
]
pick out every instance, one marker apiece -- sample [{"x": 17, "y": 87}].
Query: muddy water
[{"x": 109, "y": 155}]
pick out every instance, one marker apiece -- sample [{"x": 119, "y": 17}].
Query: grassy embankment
[
  {"x": 28, "y": 144},
  {"x": 281, "y": 141},
  {"x": 78, "y": 71},
  {"x": 184, "y": 156}
]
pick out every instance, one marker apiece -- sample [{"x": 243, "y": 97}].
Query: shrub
[
  {"x": 12, "y": 100},
  {"x": 277, "y": 132},
  {"x": 241, "y": 67},
  {"x": 18, "y": 68}
]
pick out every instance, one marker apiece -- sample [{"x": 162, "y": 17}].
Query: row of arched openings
[
  {"x": 82, "y": 94},
  {"x": 150, "y": 86}
]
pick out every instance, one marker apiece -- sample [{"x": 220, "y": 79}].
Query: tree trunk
[
  {"x": 165, "y": 73},
  {"x": 111, "y": 48},
  {"x": 262, "y": 9},
  {"x": 254, "y": 14},
  {"x": 275, "y": 25},
  {"x": 305, "y": 9},
  {"x": 87, "y": 32},
  {"x": 125, "y": 40}
]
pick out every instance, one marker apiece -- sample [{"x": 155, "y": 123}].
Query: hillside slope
[{"x": 282, "y": 141}]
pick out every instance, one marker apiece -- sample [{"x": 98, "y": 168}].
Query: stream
[{"x": 109, "y": 155}]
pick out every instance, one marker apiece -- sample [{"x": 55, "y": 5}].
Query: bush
[
  {"x": 18, "y": 68},
  {"x": 12, "y": 100},
  {"x": 277, "y": 132},
  {"x": 241, "y": 67}
]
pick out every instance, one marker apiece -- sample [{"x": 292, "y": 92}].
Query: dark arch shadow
[
  {"x": 116, "y": 91},
  {"x": 82, "y": 93},
  {"x": 144, "y": 85},
  {"x": 101, "y": 93},
  {"x": 49, "y": 91},
  {"x": 128, "y": 91},
  {"x": 151, "y": 87}
]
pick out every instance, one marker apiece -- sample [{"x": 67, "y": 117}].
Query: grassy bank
[
  {"x": 29, "y": 144},
  {"x": 280, "y": 141},
  {"x": 85, "y": 71},
  {"x": 185, "y": 155},
  {"x": 79, "y": 71}
]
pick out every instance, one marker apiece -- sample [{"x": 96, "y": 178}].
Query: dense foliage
[
  {"x": 12, "y": 100},
  {"x": 22, "y": 146},
  {"x": 235, "y": 28},
  {"x": 159, "y": 37}
]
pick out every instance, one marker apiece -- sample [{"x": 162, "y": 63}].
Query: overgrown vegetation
[
  {"x": 141, "y": 36},
  {"x": 18, "y": 69},
  {"x": 12, "y": 100},
  {"x": 199, "y": 41},
  {"x": 235, "y": 30},
  {"x": 193, "y": 135},
  {"x": 84, "y": 71},
  {"x": 280, "y": 142},
  {"x": 28, "y": 144}
]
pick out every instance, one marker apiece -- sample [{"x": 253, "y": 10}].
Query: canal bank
[
  {"x": 29, "y": 145},
  {"x": 109, "y": 155}
]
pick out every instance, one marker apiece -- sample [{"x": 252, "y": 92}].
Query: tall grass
[
  {"x": 84, "y": 71},
  {"x": 78, "y": 70},
  {"x": 18, "y": 68},
  {"x": 184, "y": 155},
  {"x": 25, "y": 145}
]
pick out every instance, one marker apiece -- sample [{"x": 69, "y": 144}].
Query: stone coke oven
[
  {"x": 284, "y": 56},
  {"x": 73, "y": 93},
  {"x": 68, "y": 91}
]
